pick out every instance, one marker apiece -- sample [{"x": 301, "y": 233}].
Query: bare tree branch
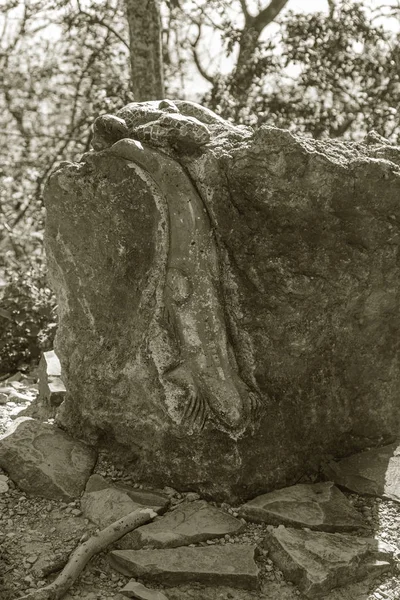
[
  {"x": 341, "y": 129},
  {"x": 196, "y": 58},
  {"x": 204, "y": 17},
  {"x": 95, "y": 19},
  {"x": 268, "y": 14},
  {"x": 83, "y": 553}
]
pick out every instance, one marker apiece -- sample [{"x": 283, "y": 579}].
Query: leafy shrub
[{"x": 27, "y": 316}]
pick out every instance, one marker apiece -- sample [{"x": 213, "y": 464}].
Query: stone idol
[{"x": 229, "y": 298}]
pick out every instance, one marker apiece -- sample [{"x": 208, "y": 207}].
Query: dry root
[{"x": 81, "y": 556}]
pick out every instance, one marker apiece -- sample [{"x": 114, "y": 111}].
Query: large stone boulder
[{"x": 229, "y": 312}]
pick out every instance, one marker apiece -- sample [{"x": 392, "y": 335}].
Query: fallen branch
[{"x": 81, "y": 556}]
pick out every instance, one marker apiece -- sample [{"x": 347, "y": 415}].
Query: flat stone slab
[
  {"x": 319, "y": 562},
  {"x": 319, "y": 506},
  {"x": 374, "y": 472},
  {"x": 156, "y": 500},
  {"x": 190, "y": 523},
  {"x": 231, "y": 564},
  {"x": 133, "y": 589},
  {"x": 44, "y": 460},
  {"x": 108, "y": 505}
]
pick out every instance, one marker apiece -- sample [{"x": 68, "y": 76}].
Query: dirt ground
[{"x": 37, "y": 535}]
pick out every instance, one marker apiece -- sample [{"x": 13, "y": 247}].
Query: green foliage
[
  {"x": 326, "y": 75},
  {"x": 64, "y": 63},
  {"x": 60, "y": 67},
  {"x": 27, "y": 316}
]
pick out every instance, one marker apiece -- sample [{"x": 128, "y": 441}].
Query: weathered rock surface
[
  {"x": 3, "y": 484},
  {"x": 320, "y": 506},
  {"x": 151, "y": 498},
  {"x": 190, "y": 523},
  {"x": 217, "y": 565},
  {"x": 44, "y": 460},
  {"x": 374, "y": 472},
  {"x": 318, "y": 562},
  {"x": 108, "y": 505},
  {"x": 155, "y": 500},
  {"x": 104, "y": 505},
  {"x": 133, "y": 589},
  {"x": 239, "y": 301}
]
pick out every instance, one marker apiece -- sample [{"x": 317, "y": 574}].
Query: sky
[
  {"x": 196, "y": 86},
  {"x": 308, "y": 5}
]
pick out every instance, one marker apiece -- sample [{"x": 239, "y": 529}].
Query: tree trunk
[{"x": 145, "y": 49}]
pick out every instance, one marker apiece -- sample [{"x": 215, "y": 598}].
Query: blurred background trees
[{"x": 329, "y": 72}]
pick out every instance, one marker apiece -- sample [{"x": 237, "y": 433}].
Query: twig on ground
[{"x": 81, "y": 556}]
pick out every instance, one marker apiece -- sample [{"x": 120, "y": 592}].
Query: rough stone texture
[
  {"x": 44, "y": 460},
  {"x": 133, "y": 589},
  {"x": 218, "y": 565},
  {"x": 51, "y": 388},
  {"x": 151, "y": 498},
  {"x": 318, "y": 562},
  {"x": 108, "y": 505},
  {"x": 375, "y": 472},
  {"x": 244, "y": 305},
  {"x": 320, "y": 506},
  {"x": 190, "y": 523},
  {"x": 3, "y": 484},
  {"x": 155, "y": 500}
]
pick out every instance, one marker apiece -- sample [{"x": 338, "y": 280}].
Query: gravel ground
[{"x": 37, "y": 536}]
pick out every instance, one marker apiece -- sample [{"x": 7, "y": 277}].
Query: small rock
[
  {"x": 3, "y": 398},
  {"x": 16, "y": 377},
  {"x": 170, "y": 491},
  {"x": 133, "y": 589},
  {"x": 192, "y": 496}
]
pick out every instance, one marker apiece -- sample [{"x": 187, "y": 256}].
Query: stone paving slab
[
  {"x": 158, "y": 501},
  {"x": 231, "y": 564},
  {"x": 105, "y": 506},
  {"x": 155, "y": 500},
  {"x": 190, "y": 523},
  {"x": 375, "y": 472},
  {"x": 319, "y": 506},
  {"x": 318, "y": 562}
]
